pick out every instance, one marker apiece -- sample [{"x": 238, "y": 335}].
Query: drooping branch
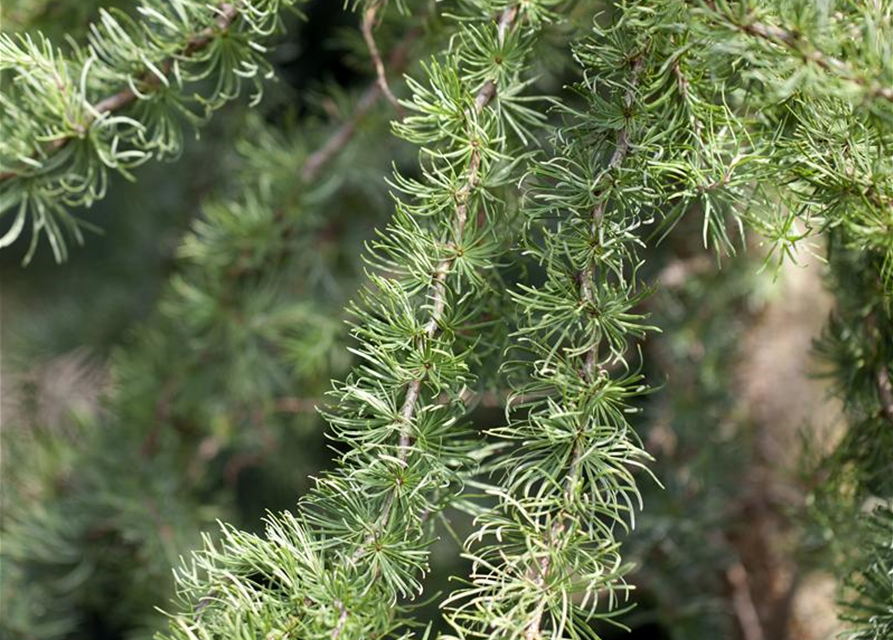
[
  {"x": 397, "y": 62},
  {"x": 438, "y": 289},
  {"x": 808, "y": 52},
  {"x": 437, "y": 293},
  {"x": 226, "y": 15},
  {"x": 621, "y": 149}
]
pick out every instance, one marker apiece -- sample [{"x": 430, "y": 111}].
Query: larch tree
[{"x": 580, "y": 194}]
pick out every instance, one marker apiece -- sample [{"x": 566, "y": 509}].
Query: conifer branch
[
  {"x": 226, "y": 14},
  {"x": 370, "y": 18},
  {"x": 810, "y": 53},
  {"x": 437, "y": 293},
  {"x": 868, "y": 602},
  {"x": 70, "y": 120},
  {"x": 397, "y": 61},
  {"x": 364, "y": 526},
  {"x": 149, "y": 80},
  {"x": 794, "y": 42},
  {"x": 586, "y": 278},
  {"x": 438, "y": 290},
  {"x": 553, "y": 553}
]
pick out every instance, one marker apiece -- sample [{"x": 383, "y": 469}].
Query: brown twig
[
  {"x": 342, "y": 618},
  {"x": 810, "y": 53},
  {"x": 882, "y": 377},
  {"x": 226, "y": 15},
  {"x": 343, "y": 134},
  {"x": 885, "y": 392},
  {"x": 370, "y": 17},
  {"x": 742, "y": 601}
]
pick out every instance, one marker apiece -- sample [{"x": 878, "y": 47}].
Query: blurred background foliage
[{"x": 166, "y": 376}]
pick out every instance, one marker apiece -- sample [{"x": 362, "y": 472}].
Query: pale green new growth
[
  {"x": 69, "y": 118},
  {"x": 358, "y": 544},
  {"x": 760, "y": 121}
]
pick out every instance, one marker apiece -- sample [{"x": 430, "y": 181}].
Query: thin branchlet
[
  {"x": 587, "y": 278},
  {"x": 438, "y": 290},
  {"x": 316, "y": 161},
  {"x": 370, "y": 18}
]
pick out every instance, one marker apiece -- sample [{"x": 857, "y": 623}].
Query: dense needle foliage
[{"x": 550, "y": 160}]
